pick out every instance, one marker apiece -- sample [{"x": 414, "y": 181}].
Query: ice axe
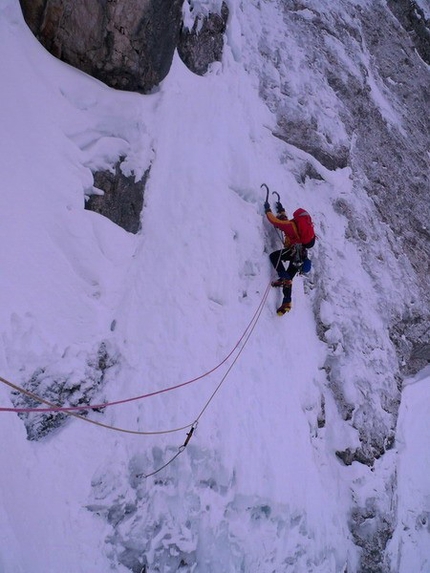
[
  {"x": 273, "y": 193},
  {"x": 267, "y": 189}
]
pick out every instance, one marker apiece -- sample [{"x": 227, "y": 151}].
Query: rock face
[
  {"x": 365, "y": 108},
  {"x": 128, "y": 46},
  {"x": 122, "y": 200},
  {"x": 204, "y": 43},
  {"x": 396, "y": 167},
  {"x": 380, "y": 128},
  {"x": 59, "y": 385},
  {"x": 412, "y": 18}
]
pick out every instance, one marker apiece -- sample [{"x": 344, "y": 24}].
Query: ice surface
[{"x": 259, "y": 487}]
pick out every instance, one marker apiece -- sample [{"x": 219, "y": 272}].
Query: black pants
[{"x": 278, "y": 258}]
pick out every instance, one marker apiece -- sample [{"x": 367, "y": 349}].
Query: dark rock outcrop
[
  {"x": 122, "y": 200},
  {"x": 128, "y": 46},
  {"x": 204, "y": 43},
  {"x": 371, "y": 530},
  {"x": 306, "y": 137},
  {"x": 413, "y": 20},
  {"x": 56, "y": 385}
]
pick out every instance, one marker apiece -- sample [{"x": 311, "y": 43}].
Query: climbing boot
[{"x": 284, "y": 308}]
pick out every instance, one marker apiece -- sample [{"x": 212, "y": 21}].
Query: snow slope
[
  {"x": 409, "y": 546},
  {"x": 259, "y": 487}
]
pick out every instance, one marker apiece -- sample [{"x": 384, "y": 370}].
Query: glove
[
  {"x": 266, "y": 206},
  {"x": 306, "y": 266},
  {"x": 279, "y": 207}
]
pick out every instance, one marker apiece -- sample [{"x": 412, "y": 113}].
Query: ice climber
[{"x": 299, "y": 236}]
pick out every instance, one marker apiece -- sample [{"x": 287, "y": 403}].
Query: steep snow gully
[{"x": 312, "y": 455}]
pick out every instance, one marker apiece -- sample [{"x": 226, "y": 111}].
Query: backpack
[{"x": 305, "y": 227}]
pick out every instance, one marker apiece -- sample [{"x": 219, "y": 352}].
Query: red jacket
[{"x": 287, "y": 226}]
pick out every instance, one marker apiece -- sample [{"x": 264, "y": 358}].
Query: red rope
[{"x": 141, "y": 397}]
